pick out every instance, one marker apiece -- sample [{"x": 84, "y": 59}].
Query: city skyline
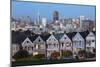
[{"x": 32, "y": 9}]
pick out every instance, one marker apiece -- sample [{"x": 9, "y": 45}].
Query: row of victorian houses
[{"x": 57, "y": 42}]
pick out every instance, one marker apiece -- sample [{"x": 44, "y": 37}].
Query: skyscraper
[
  {"x": 38, "y": 17},
  {"x": 44, "y": 21},
  {"x": 55, "y": 16}
]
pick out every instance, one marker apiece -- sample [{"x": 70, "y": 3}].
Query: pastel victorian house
[
  {"x": 52, "y": 45},
  {"x": 78, "y": 44},
  {"x": 40, "y": 46},
  {"x": 27, "y": 45},
  {"x": 90, "y": 42},
  {"x": 65, "y": 43}
]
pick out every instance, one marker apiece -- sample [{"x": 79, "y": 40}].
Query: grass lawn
[{"x": 42, "y": 62}]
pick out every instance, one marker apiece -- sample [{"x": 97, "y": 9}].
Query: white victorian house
[
  {"x": 90, "y": 42},
  {"x": 78, "y": 43},
  {"x": 27, "y": 45},
  {"x": 40, "y": 46},
  {"x": 65, "y": 43},
  {"x": 52, "y": 45}
]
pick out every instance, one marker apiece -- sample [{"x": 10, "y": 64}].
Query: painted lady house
[
  {"x": 27, "y": 45},
  {"x": 40, "y": 46},
  {"x": 65, "y": 47},
  {"x": 79, "y": 44},
  {"x": 56, "y": 46},
  {"x": 53, "y": 49},
  {"x": 91, "y": 42},
  {"x": 35, "y": 45}
]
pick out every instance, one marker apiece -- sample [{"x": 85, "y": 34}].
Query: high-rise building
[
  {"x": 44, "y": 21},
  {"x": 28, "y": 20},
  {"x": 82, "y": 18},
  {"x": 55, "y": 16},
  {"x": 38, "y": 17}
]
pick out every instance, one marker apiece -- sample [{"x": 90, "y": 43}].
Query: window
[
  {"x": 36, "y": 46},
  {"x": 87, "y": 48},
  {"x": 39, "y": 40},
  {"x": 92, "y": 40},
  {"x": 68, "y": 44},
  {"x": 54, "y": 40},
  {"x": 25, "y": 47},
  {"x": 32, "y": 48},
  {"x": 62, "y": 44},
  {"x": 88, "y": 42},
  {"x": 49, "y": 39},
  {"x": 65, "y": 38},
  {"x": 47, "y": 46},
  {"x": 54, "y": 45},
  {"x": 80, "y": 43},
  {"x": 42, "y": 46},
  {"x": 28, "y": 48},
  {"x": 39, "y": 47},
  {"x": 27, "y": 41}
]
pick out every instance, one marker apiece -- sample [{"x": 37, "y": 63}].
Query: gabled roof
[
  {"x": 32, "y": 38},
  {"x": 64, "y": 38},
  {"x": 45, "y": 37},
  {"x": 77, "y": 37},
  {"x": 52, "y": 36},
  {"x": 84, "y": 34},
  {"x": 18, "y": 39},
  {"x": 38, "y": 39},
  {"x": 71, "y": 35},
  {"x": 91, "y": 34},
  {"x": 27, "y": 39},
  {"x": 58, "y": 36}
]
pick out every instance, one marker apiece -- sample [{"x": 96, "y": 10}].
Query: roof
[
  {"x": 45, "y": 37},
  {"x": 71, "y": 35},
  {"x": 84, "y": 34},
  {"x": 19, "y": 38},
  {"x": 58, "y": 36}
]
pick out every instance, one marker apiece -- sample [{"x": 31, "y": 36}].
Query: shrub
[
  {"x": 39, "y": 56},
  {"x": 81, "y": 53},
  {"x": 55, "y": 55},
  {"x": 67, "y": 53},
  {"x": 90, "y": 55},
  {"x": 21, "y": 54}
]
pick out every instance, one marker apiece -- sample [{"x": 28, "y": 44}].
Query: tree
[
  {"x": 21, "y": 54},
  {"x": 55, "y": 55}
]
